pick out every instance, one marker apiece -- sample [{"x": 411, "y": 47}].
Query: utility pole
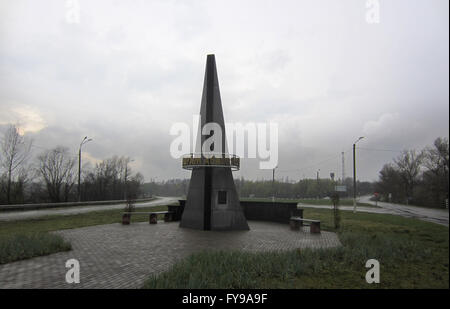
[
  {"x": 354, "y": 172},
  {"x": 84, "y": 141},
  {"x": 318, "y": 185},
  {"x": 343, "y": 169},
  {"x": 79, "y": 174},
  {"x": 273, "y": 185}
]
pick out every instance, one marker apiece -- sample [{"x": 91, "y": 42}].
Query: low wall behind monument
[{"x": 266, "y": 211}]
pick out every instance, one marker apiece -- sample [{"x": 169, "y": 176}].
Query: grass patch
[
  {"x": 342, "y": 202},
  {"x": 61, "y": 222},
  {"x": 20, "y": 247},
  {"x": 321, "y": 202},
  {"x": 29, "y": 238},
  {"x": 412, "y": 254},
  {"x": 66, "y": 205}
]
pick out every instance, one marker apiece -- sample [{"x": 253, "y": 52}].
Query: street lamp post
[
  {"x": 354, "y": 173},
  {"x": 84, "y": 141},
  {"x": 318, "y": 183}
]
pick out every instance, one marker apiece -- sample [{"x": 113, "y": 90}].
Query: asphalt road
[
  {"x": 439, "y": 216},
  {"x": 28, "y": 214}
]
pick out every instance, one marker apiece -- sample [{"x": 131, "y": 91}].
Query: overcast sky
[{"x": 128, "y": 70}]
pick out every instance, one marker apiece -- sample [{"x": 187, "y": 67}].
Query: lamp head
[{"x": 360, "y": 138}]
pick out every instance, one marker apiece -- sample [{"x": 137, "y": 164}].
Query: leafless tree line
[
  {"x": 111, "y": 179},
  {"x": 418, "y": 177},
  {"x": 52, "y": 176}
]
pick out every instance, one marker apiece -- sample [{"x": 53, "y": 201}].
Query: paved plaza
[{"x": 118, "y": 256}]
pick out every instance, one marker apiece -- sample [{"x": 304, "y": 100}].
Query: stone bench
[
  {"x": 153, "y": 216},
  {"x": 297, "y": 222}
]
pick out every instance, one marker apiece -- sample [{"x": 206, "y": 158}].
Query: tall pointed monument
[{"x": 212, "y": 202}]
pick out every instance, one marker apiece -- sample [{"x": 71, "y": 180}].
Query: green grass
[
  {"x": 106, "y": 203},
  {"x": 442, "y": 207},
  {"x": 60, "y": 222},
  {"x": 342, "y": 202},
  {"x": 20, "y": 247},
  {"x": 29, "y": 238},
  {"x": 412, "y": 254}
]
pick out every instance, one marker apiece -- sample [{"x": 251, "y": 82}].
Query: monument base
[{"x": 214, "y": 205}]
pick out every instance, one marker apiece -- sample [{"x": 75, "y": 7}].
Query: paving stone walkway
[{"x": 117, "y": 256}]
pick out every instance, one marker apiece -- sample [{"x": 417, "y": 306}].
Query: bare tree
[
  {"x": 56, "y": 167},
  {"x": 408, "y": 164},
  {"x": 436, "y": 161},
  {"x": 15, "y": 151},
  {"x": 390, "y": 184},
  {"x": 133, "y": 186},
  {"x": 111, "y": 179},
  {"x": 437, "y": 157}
]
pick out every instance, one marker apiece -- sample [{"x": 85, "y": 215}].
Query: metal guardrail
[{"x": 16, "y": 207}]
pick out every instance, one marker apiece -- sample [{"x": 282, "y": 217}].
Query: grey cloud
[{"x": 127, "y": 72}]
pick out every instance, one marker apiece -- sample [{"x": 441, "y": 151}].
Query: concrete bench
[
  {"x": 297, "y": 222},
  {"x": 153, "y": 216}
]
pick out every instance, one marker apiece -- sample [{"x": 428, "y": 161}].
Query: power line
[
  {"x": 312, "y": 165},
  {"x": 375, "y": 149},
  {"x": 37, "y": 146}
]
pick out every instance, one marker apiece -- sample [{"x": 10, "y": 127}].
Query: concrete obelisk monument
[{"x": 212, "y": 202}]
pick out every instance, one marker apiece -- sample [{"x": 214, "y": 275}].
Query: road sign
[{"x": 340, "y": 188}]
